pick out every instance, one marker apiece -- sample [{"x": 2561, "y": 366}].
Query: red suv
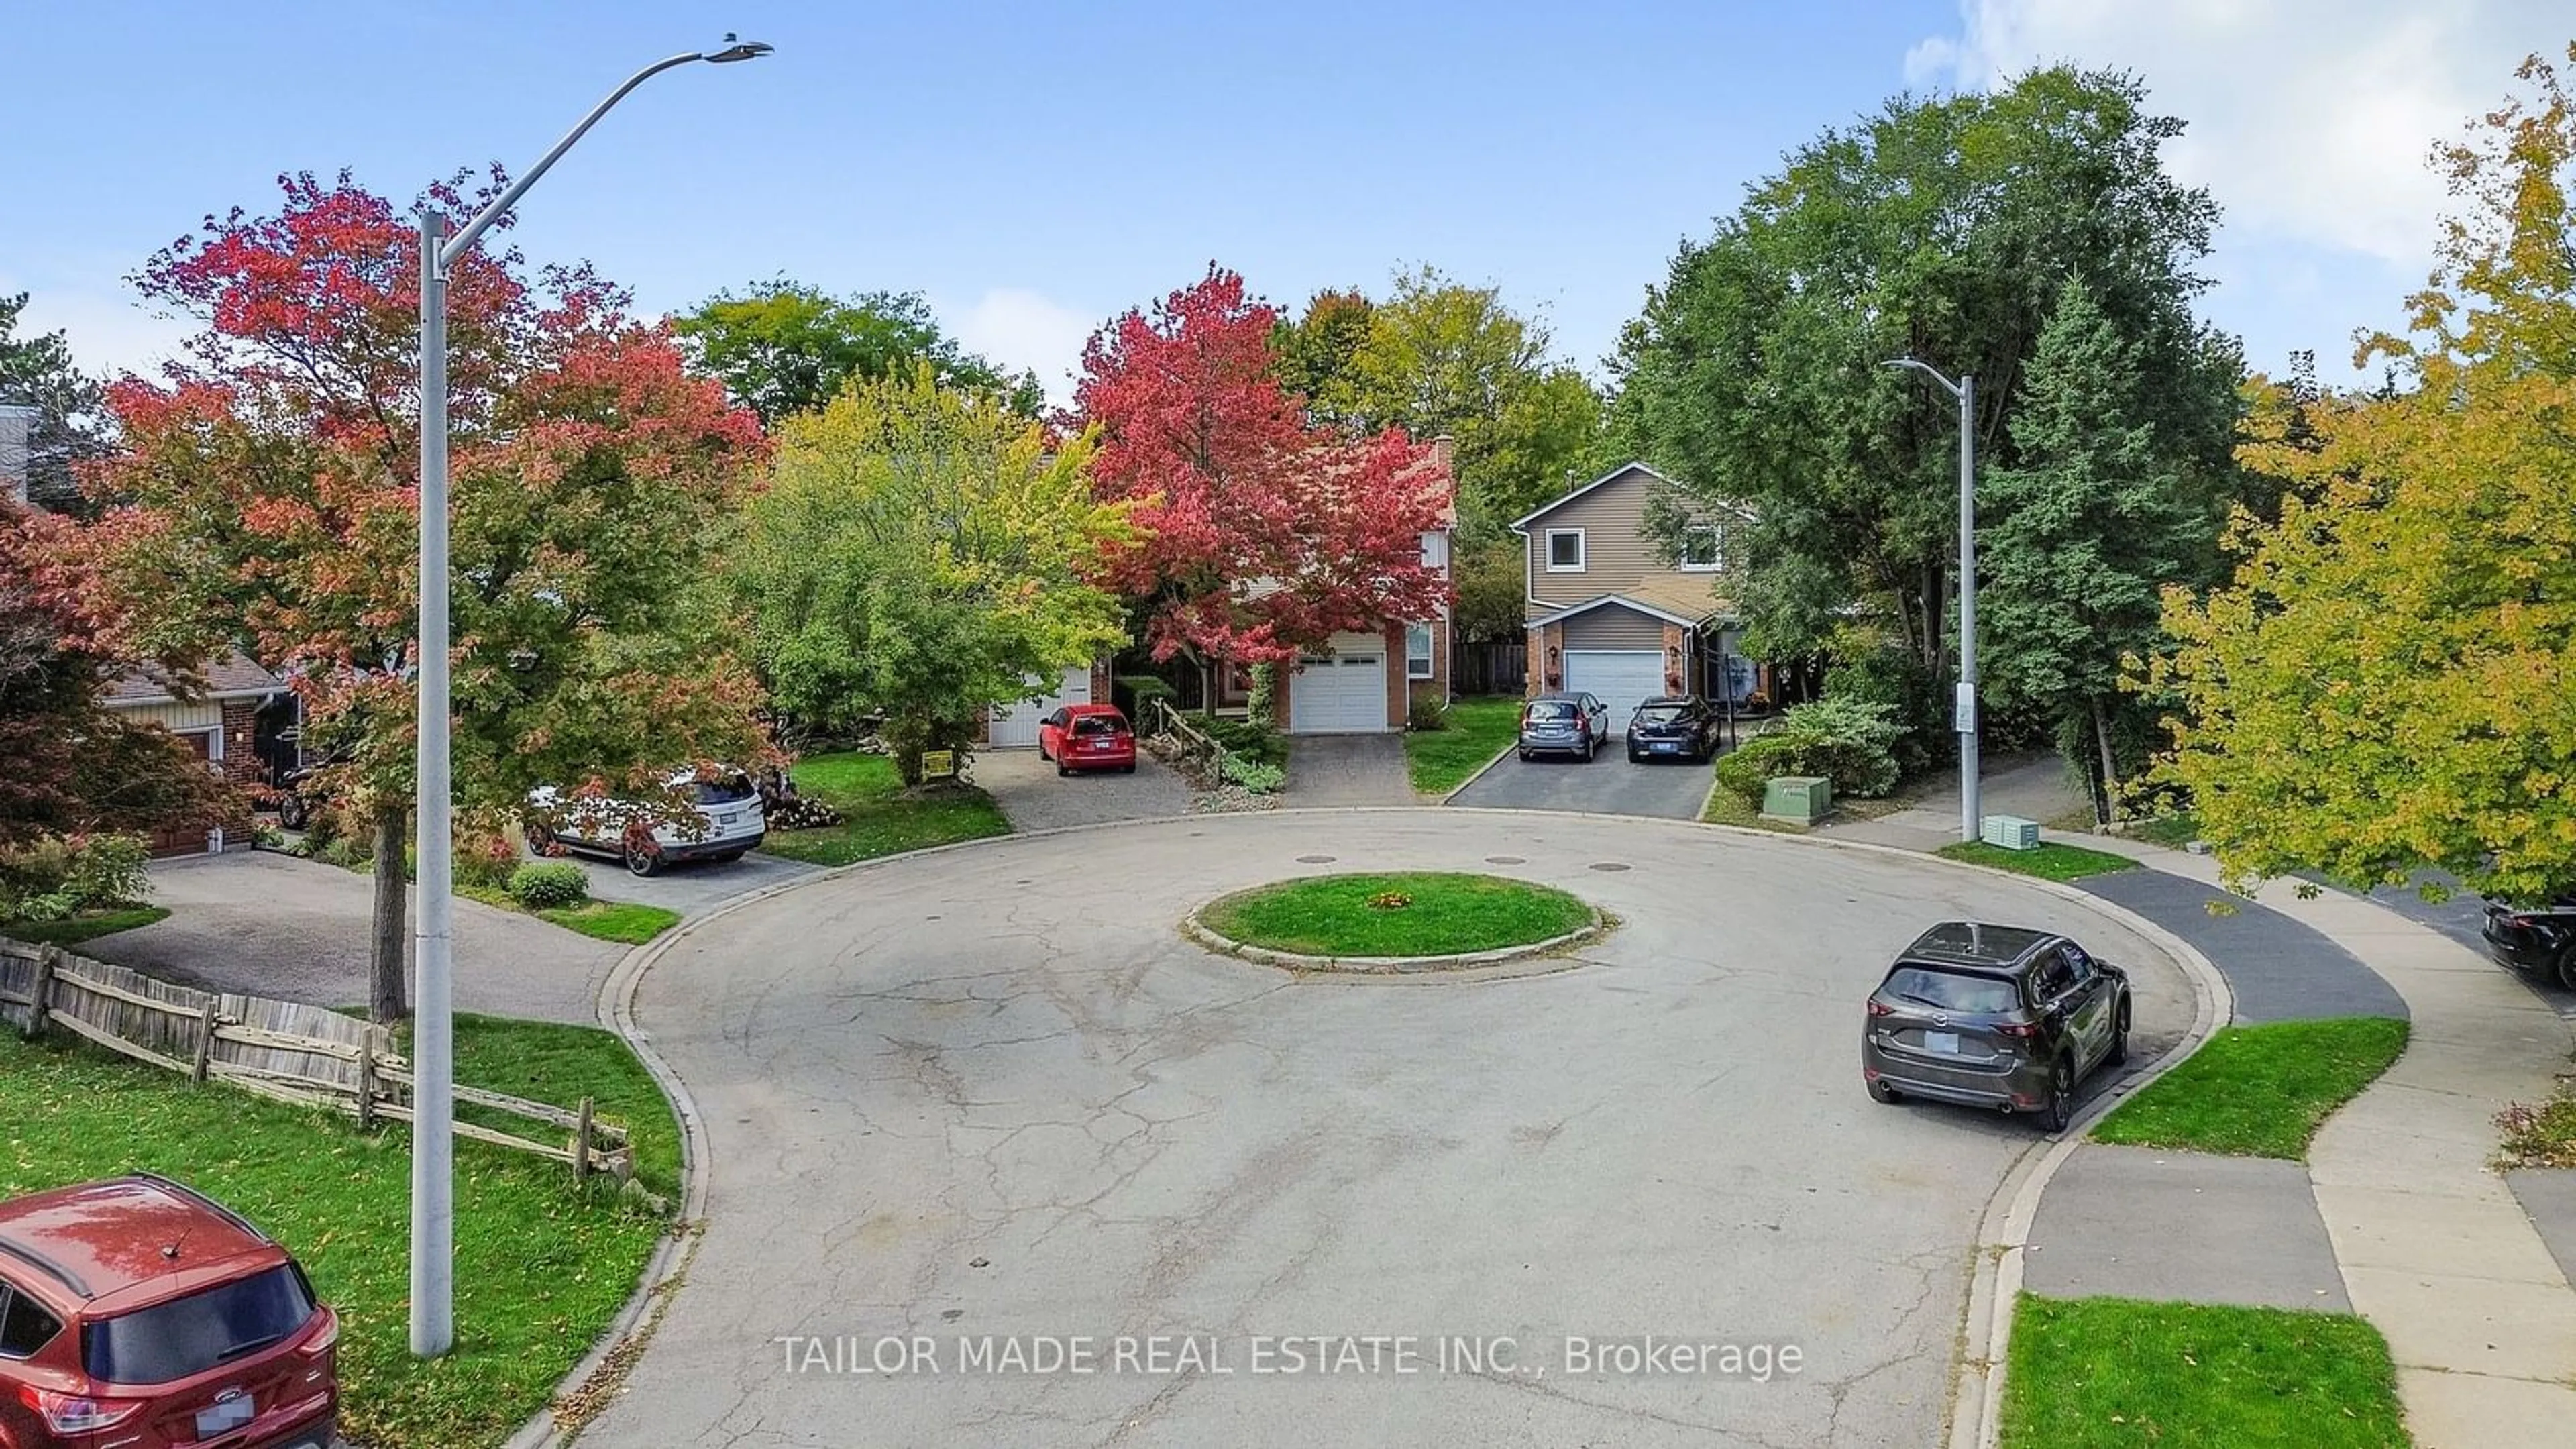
[
  {"x": 143, "y": 1314},
  {"x": 1087, "y": 737}
]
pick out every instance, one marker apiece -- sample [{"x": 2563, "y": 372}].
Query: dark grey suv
[{"x": 1994, "y": 1016}]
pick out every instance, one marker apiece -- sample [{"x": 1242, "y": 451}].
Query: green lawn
[
  {"x": 542, "y": 1266},
  {"x": 2050, "y": 861},
  {"x": 1332, "y": 915},
  {"x": 2173, "y": 830},
  {"x": 2259, "y": 1091},
  {"x": 87, "y": 927},
  {"x": 613, "y": 920},
  {"x": 1479, "y": 730},
  {"x": 877, "y": 820},
  {"x": 2110, "y": 1373}
]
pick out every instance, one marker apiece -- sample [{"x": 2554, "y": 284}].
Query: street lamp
[
  {"x": 433, "y": 1143},
  {"x": 1965, "y": 706}
]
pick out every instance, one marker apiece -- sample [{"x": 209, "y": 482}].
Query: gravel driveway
[
  {"x": 272, "y": 925},
  {"x": 993, "y": 1097}
]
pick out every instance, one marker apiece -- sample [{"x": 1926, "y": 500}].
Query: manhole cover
[
  {"x": 1317, "y": 859},
  {"x": 1609, "y": 865},
  {"x": 1506, "y": 860}
]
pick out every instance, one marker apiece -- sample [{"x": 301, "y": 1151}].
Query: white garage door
[
  {"x": 1339, "y": 693},
  {"x": 1621, "y": 678},
  {"x": 1016, "y": 724}
]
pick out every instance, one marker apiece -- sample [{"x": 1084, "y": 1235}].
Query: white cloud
[
  {"x": 1024, "y": 329},
  {"x": 2310, "y": 120}
]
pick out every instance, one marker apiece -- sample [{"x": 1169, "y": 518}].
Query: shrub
[
  {"x": 1249, "y": 740},
  {"x": 71, "y": 874},
  {"x": 489, "y": 861},
  {"x": 1430, "y": 712},
  {"x": 1853, "y": 742},
  {"x": 1917, "y": 702},
  {"x": 345, "y": 852},
  {"x": 549, "y": 885},
  {"x": 1254, "y": 775},
  {"x": 108, "y": 870},
  {"x": 1130, "y": 692},
  {"x": 1749, "y": 770}
]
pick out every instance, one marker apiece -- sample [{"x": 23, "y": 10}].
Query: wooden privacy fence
[{"x": 283, "y": 1050}]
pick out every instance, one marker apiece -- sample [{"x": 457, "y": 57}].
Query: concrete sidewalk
[{"x": 2431, "y": 1245}]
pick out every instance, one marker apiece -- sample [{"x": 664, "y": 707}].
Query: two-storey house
[{"x": 1612, "y": 612}]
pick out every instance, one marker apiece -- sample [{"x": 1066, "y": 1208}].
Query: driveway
[
  {"x": 992, "y": 1099},
  {"x": 272, "y": 925},
  {"x": 1334, "y": 770},
  {"x": 1034, "y": 797},
  {"x": 1609, "y": 785},
  {"x": 691, "y": 887}
]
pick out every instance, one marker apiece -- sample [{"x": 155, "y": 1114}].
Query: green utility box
[
  {"x": 1800, "y": 799},
  {"x": 2011, "y": 832}
]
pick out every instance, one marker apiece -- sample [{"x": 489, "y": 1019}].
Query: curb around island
[
  {"x": 2003, "y": 1229},
  {"x": 1532, "y": 958}
]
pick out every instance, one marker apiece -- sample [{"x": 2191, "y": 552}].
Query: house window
[
  {"x": 1417, "y": 651},
  {"x": 1703, "y": 549},
  {"x": 1435, "y": 550},
  {"x": 1565, "y": 550}
]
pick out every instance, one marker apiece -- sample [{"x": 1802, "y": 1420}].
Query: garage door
[
  {"x": 1016, "y": 725},
  {"x": 1338, "y": 694},
  {"x": 1622, "y": 678}
]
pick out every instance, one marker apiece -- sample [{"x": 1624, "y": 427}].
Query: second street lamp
[
  {"x": 1965, "y": 706},
  {"x": 433, "y": 1143}
]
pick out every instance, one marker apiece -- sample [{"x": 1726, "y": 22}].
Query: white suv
[{"x": 730, "y": 821}]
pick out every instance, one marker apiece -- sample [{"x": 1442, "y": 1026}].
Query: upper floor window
[
  {"x": 1435, "y": 549},
  {"x": 1703, "y": 549},
  {"x": 1565, "y": 550}
]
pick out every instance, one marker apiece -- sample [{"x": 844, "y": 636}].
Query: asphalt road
[
  {"x": 992, "y": 1096},
  {"x": 1609, "y": 785},
  {"x": 690, "y": 886}
]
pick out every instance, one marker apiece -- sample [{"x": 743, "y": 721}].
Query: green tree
[
  {"x": 2383, "y": 684},
  {"x": 71, "y": 407},
  {"x": 1945, "y": 229},
  {"x": 2079, "y": 540},
  {"x": 783, "y": 348},
  {"x": 1441, "y": 358},
  {"x": 920, "y": 554}
]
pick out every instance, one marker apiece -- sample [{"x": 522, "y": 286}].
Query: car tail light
[
  {"x": 77, "y": 1413},
  {"x": 1881, "y": 1008},
  {"x": 322, "y": 1341},
  {"x": 2018, "y": 1028}
]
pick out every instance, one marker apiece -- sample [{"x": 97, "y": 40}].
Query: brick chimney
[{"x": 17, "y": 428}]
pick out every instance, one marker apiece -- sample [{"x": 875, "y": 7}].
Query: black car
[
  {"x": 1684, "y": 728},
  {"x": 2539, "y": 941},
  {"x": 1994, "y": 1016}
]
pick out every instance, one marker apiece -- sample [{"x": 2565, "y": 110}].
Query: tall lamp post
[
  {"x": 1964, "y": 706},
  {"x": 433, "y": 1143}
]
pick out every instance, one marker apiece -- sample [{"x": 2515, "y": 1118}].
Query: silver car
[{"x": 1564, "y": 724}]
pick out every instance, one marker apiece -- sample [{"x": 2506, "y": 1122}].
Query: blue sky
[{"x": 1035, "y": 168}]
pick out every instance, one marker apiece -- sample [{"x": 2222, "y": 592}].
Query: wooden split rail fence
[{"x": 287, "y": 1051}]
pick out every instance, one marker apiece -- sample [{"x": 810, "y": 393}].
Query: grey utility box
[
  {"x": 1803, "y": 799},
  {"x": 2011, "y": 832}
]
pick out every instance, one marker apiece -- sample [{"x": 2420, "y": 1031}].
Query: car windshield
[
  {"x": 1097, "y": 724},
  {"x": 1551, "y": 711},
  {"x": 1950, "y": 990},
  {"x": 726, "y": 790},
  {"x": 193, "y": 1334},
  {"x": 1662, "y": 713}
]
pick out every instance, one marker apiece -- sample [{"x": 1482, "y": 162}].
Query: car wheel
[
  {"x": 643, "y": 861},
  {"x": 292, "y": 813},
  {"x": 1525, "y": 757},
  {"x": 1127, "y": 769},
  {"x": 2118, "y": 1055},
  {"x": 1042, "y": 753},
  {"x": 2060, "y": 1110},
  {"x": 2567, "y": 968},
  {"x": 541, "y": 840},
  {"x": 1882, "y": 1092},
  {"x": 1060, "y": 770}
]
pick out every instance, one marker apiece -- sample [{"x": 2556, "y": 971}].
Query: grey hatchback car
[
  {"x": 1564, "y": 724},
  {"x": 1994, "y": 1016}
]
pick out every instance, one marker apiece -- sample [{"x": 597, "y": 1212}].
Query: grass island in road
[{"x": 1403, "y": 914}]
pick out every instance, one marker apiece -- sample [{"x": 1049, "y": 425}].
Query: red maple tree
[
  {"x": 267, "y": 500},
  {"x": 1262, "y": 536}
]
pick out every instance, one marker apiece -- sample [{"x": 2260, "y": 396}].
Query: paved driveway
[
  {"x": 1034, "y": 797},
  {"x": 1609, "y": 785},
  {"x": 272, "y": 925},
  {"x": 689, "y": 887},
  {"x": 1326, "y": 771},
  {"x": 994, "y": 1093}
]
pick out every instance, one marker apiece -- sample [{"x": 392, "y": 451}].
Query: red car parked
[
  {"x": 1087, "y": 737},
  {"x": 144, "y": 1314}
]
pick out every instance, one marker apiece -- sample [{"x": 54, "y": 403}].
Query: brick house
[
  {"x": 221, "y": 724},
  {"x": 1613, "y": 613}
]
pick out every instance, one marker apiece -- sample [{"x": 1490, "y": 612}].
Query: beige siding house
[{"x": 1611, "y": 611}]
